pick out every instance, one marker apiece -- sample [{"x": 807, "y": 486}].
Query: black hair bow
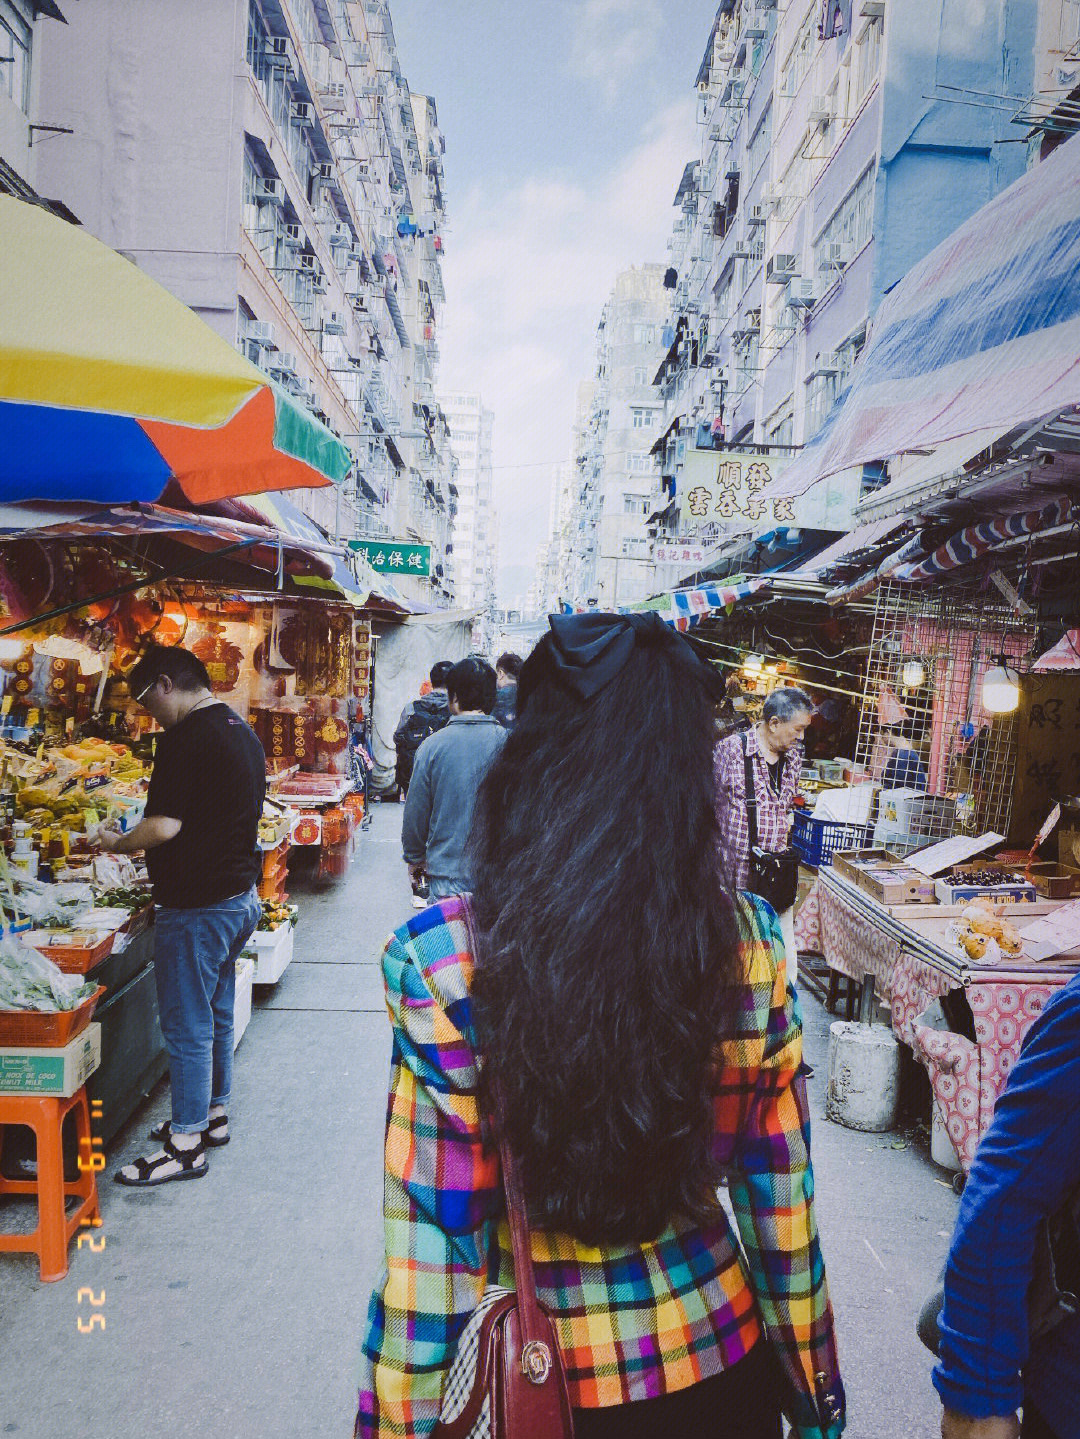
[{"x": 583, "y": 653}]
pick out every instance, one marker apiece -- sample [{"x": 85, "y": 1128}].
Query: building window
[
  {"x": 644, "y": 334},
  {"x": 634, "y": 548},
  {"x": 780, "y": 428},
  {"x": 635, "y": 504},
  {"x": 640, "y": 377},
  {"x": 758, "y": 149},
  {"x": 14, "y": 56},
  {"x": 867, "y": 60},
  {"x": 639, "y": 464},
  {"x": 851, "y": 226},
  {"x": 642, "y": 419}
]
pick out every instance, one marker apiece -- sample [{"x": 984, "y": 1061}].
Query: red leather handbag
[{"x": 507, "y": 1380}]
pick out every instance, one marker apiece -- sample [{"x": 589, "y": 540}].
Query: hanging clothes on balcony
[{"x": 671, "y": 278}]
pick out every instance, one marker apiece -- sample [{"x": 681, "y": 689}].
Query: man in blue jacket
[
  {"x": 1027, "y": 1168},
  {"x": 446, "y": 777}
]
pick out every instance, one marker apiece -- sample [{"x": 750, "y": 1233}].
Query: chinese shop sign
[
  {"x": 724, "y": 488},
  {"x": 392, "y": 557},
  {"x": 674, "y": 553}
]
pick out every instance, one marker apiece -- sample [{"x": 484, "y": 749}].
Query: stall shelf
[{"x": 906, "y": 952}]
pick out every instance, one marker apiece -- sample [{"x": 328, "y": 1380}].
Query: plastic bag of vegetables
[{"x": 30, "y": 981}]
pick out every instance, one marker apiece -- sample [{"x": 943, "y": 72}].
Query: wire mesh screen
[{"x": 944, "y": 764}]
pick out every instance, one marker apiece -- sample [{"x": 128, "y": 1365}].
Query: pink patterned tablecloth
[
  {"x": 967, "y": 1077},
  {"x": 808, "y": 922}
]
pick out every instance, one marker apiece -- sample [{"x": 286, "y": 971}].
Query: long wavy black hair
[{"x": 608, "y": 965}]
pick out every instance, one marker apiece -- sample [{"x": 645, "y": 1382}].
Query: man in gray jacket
[{"x": 446, "y": 776}]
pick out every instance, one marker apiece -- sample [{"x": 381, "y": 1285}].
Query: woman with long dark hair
[{"x": 633, "y": 1018}]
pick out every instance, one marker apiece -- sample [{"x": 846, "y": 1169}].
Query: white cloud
[
  {"x": 527, "y": 274},
  {"x": 612, "y": 39}
]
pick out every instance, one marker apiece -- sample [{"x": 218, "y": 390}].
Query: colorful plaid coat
[{"x": 633, "y": 1321}]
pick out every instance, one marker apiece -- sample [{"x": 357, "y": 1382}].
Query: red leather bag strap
[{"x": 516, "y": 1212}]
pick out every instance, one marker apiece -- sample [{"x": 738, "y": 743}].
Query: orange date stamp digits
[{"x": 91, "y": 1302}]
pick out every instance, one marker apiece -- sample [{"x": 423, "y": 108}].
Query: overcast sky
[{"x": 567, "y": 126}]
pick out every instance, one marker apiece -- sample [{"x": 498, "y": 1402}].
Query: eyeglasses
[{"x": 142, "y": 695}]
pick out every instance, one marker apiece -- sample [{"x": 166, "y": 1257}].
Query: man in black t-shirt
[{"x": 199, "y": 834}]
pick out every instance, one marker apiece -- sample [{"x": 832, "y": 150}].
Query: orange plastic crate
[{"x": 31, "y": 1029}]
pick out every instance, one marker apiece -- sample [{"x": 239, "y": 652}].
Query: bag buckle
[{"x": 536, "y": 1361}]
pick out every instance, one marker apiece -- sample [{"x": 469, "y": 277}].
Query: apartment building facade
[
  {"x": 266, "y": 161},
  {"x": 474, "y": 557},
  {"x": 26, "y": 30},
  {"x": 618, "y": 421},
  {"x": 837, "y": 147}
]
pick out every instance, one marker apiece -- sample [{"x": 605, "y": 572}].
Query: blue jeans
[{"x": 195, "y": 954}]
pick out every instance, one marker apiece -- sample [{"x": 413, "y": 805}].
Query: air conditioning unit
[
  {"x": 827, "y": 364},
  {"x": 755, "y": 33},
  {"x": 285, "y": 362},
  {"x": 781, "y": 268},
  {"x": 872, "y": 9},
  {"x": 262, "y": 332},
  {"x": 771, "y": 195},
  {"x": 838, "y": 253},
  {"x": 280, "y": 52},
  {"x": 803, "y": 292},
  {"x": 753, "y": 320},
  {"x": 758, "y": 214},
  {"x": 333, "y": 323},
  {"x": 324, "y": 170},
  {"x": 302, "y": 112},
  {"x": 732, "y": 171},
  {"x": 340, "y": 235},
  {"x": 294, "y": 236},
  {"x": 740, "y": 251},
  {"x": 267, "y": 188},
  {"x": 821, "y": 110},
  {"x": 716, "y": 133}
]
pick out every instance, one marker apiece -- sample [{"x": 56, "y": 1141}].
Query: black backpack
[{"x": 421, "y": 723}]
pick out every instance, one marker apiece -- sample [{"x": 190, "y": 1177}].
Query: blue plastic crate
[{"x": 817, "y": 840}]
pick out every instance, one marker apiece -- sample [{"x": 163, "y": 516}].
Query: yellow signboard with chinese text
[{"x": 723, "y": 487}]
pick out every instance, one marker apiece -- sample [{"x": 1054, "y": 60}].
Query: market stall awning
[
  {"x": 861, "y": 540},
  {"x": 1064, "y": 656},
  {"x": 974, "y": 541},
  {"x": 982, "y": 334},
  {"x": 690, "y": 607},
  {"x": 110, "y": 387}
]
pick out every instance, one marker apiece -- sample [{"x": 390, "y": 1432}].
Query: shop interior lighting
[
  {"x": 1001, "y": 690},
  {"x": 913, "y": 674},
  {"x": 754, "y": 665}
]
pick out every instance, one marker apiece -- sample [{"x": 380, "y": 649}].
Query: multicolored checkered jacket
[{"x": 633, "y": 1321}]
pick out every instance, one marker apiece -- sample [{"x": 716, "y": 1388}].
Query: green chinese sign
[{"x": 393, "y": 557}]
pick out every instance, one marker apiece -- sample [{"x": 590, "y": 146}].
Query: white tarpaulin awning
[{"x": 981, "y": 335}]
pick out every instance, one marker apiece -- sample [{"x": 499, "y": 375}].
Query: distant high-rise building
[
  {"x": 474, "y": 535},
  {"x": 618, "y": 423}
]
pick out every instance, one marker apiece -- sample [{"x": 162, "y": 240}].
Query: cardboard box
[
  {"x": 851, "y": 862},
  {"x": 897, "y": 884},
  {"x": 957, "y": 892},
  {"x": 1056, "y": 881},
  {"x": 51, "y": 1073}
]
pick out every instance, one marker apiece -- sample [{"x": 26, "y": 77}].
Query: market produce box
[
  {"x": 245, "y": 978},
  {"x": 852, "y": 862},
  {"x": 55, "y": 1073},
  {"x": 272, "y": 951},
  {"x": 1002, "y": 883},
  {"x": 1056, "y": 881},
  {"x": 896, "y": 883},
  {"x": 74, "y": 950}
]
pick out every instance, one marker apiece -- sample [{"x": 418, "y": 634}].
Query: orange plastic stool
[{"x": 54, "y": 1228}]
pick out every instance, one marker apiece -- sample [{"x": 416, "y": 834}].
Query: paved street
[{"x": 233, "y": 1305}]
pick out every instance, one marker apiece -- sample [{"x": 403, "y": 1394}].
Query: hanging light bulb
[
  {"x": 754, "y": 665},
  {"x": 913, "y": 674},
  {"x": 1001, "y": 690}
]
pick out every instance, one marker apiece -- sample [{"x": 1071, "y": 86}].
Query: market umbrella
[{"x": 110, "y": 387}]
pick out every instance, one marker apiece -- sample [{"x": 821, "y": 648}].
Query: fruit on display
[{"x": 276, "y": 914}]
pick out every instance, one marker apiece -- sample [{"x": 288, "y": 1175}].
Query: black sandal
[
  {"x": 212, "y": 1136},
  {"x": 146, "y": 1169}
]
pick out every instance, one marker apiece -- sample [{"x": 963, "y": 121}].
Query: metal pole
[{"x": 867, "y": 1000}]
